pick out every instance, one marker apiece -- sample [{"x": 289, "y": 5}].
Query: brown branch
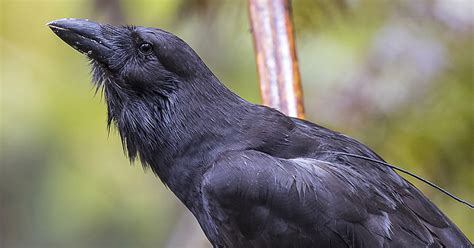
[{"x": 277, "y": 64}]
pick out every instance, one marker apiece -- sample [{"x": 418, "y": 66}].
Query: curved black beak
[{"x": 84, "y": 36}]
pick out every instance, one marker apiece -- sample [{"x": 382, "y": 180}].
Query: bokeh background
[{"x": 397, "y": 75}]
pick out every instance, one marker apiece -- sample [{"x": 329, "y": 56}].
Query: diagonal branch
[{"x": 277, "y": 64}]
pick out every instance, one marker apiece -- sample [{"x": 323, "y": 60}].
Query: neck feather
[{"x": 177, "y": 133}]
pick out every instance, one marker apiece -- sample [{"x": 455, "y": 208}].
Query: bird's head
[{"x": 139, "y": 60}]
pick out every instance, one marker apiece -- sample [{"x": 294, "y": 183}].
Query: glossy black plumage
[{"x": 252, "y": 176}]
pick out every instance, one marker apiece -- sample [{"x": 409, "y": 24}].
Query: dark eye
[{"x": 146, "y": 48}]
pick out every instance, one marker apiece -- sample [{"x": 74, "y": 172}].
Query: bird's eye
[{"x": 146, "y": 48}]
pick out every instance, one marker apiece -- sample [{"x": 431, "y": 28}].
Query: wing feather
[{"x": 304, "y": 200}]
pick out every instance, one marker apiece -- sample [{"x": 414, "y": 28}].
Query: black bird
[{"x": 252, "y": 176}]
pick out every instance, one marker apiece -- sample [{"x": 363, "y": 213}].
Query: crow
[{"x": 252, "y": 176}]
